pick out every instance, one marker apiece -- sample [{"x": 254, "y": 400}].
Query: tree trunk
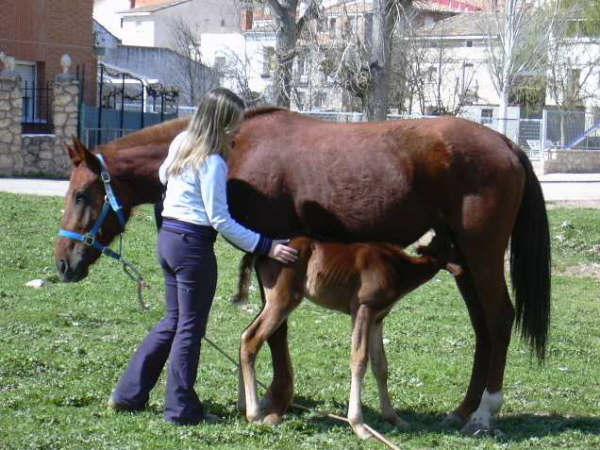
[
  {"x": 503, "y": 109},
  {"x": 284, "y": 12},
  {"x": 507, "y": 68},
  {"x": 285, "y": 50},
  {"x": 385, "y": 14}
]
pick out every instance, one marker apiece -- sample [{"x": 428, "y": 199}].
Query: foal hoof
[
  {"x": 453, "y": 420},
  {"x": 361, "y": 431}
]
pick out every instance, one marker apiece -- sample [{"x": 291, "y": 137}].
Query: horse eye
[{"x": 80, "y": 198}]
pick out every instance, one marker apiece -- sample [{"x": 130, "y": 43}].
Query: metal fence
[
  {"x": 571, "y": 130},
  {"x": 97, "y": 136},
  {"x": 37, "y": 109}
]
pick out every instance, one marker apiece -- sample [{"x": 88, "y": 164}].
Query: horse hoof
[
  {"x": 397, "y": 422},
  {"x": 479, "y": 429},
  {"x": 453, "y": 420},
  {"x": 362, "y": 432},
  {"x": 272, "y": 419}
]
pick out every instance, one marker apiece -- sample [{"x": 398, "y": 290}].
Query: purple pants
[{"x": 187, "y": 257}]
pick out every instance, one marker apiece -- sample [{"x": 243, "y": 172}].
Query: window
[
  {"x": 469, "y": 43},
  {"x": 368, "y": 28},
  {"x": 332, "y": 26},
  {"x": 222, "y": 22},
  {"x": 573, "y": 77},
  {"x": 321, "y": 25},
  {"x": 219, "y": 63},
  {"x": 301, "y": 66},
  {"x": 269, "y": 62},
  {"x": 487, "y": 115},
  {"x": 431, "y": 73}
]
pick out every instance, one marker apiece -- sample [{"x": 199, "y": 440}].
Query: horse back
[{"x": 388, "y": 181}]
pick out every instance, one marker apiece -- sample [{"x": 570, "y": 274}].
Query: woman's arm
[{"x": 213, "y": 188}]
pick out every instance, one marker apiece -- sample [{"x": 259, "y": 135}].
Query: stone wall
[
  {"x": 65, "y": 115},
  {"x": 11, "y": 160},
  {"x": 572, "y": 161},
  {"x": 37, "y": 154}
]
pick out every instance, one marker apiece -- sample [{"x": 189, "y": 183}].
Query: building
[
  {"x": 154, "y": 24},
  {"x": 37, "y": 33}
]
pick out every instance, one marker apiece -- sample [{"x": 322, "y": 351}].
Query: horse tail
[{"x": 530, "y": 263}]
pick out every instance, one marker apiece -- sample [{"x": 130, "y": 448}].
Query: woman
[{"x": 195, "y": 209}]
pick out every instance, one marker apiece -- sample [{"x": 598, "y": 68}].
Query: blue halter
[{"x": 111, "y": 203}]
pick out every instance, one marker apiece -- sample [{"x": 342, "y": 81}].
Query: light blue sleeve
[
  {"x": 173, "y": 148},
  {"x": 213, "y": 188}
]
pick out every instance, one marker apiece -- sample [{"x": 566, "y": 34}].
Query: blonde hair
[{"x": 218, "y": 113}]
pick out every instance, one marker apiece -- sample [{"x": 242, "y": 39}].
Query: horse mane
[
  {"x": 262, "y": 111},
  {"x": 157, "y": 134},
  {"x": 165, "y": 132}
]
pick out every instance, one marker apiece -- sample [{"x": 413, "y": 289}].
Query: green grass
[{"x": 62, "y": 349}]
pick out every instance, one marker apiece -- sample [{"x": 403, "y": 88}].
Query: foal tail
[{"x": 530, "y": 263}]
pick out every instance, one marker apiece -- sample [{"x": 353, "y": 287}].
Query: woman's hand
[{"x": 282, "y": 253}]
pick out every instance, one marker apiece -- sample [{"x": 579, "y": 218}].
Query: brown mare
[
  {"x": 391, "y": 181},
  {"x": 362, "y": 280}
]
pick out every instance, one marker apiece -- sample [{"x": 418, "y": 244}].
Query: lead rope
[
  {"x": 133, "y": 272},
  {"x": 376, "y": 434}
]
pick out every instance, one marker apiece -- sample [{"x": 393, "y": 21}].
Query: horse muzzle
[{"x": 71, "y": 273}]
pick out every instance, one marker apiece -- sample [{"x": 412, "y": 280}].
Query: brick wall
[{"x": 42, "y": 31}]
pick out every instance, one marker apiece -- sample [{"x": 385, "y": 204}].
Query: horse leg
[
  {"x": 359, "y": 361},
  {"x": 479, "y": 371},
  {"x": 244, "y": 280},
  {"x": 379, "y": 367},
  {"x": 498, "y": 314}
]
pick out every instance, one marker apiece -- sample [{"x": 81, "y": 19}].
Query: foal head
[{"x": 83, "y": 205}]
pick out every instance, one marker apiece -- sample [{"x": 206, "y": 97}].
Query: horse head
[{"x": 84, "y": 205}]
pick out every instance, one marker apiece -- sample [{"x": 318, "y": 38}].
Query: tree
[
  {"x": 235, "y": 70},
  {"x": 385, "y": 16},
  {"x": 191, "y": 74},
  {"x": 288, "y": 28},
  {"x": 517, "y": 39},
  {"x": 573, "y": 62}
]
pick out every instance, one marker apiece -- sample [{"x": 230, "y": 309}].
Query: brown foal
[{"x": 362, "y": 280}]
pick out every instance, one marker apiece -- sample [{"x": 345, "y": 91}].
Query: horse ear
[
  {"x": 86, "y": 156},
  {"x": 74, "y": 154}
]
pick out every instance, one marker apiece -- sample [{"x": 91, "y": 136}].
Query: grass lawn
[{"x": 63, "y": 347}]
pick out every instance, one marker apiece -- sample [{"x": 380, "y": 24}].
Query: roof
[
  {"x": 466, "y": 24},
  {"x": 363, "y": 6},
  {"x": 154, "y": 8}
]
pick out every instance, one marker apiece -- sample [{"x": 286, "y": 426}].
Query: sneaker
[{"x": 121, "y": 407}]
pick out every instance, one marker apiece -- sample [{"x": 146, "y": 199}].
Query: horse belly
[{"x": 335, "y": 297}]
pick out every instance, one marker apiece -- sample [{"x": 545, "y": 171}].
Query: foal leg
[
  {"x": 281, "y": 392},
  {"x": 252, "y": 340},
  {"x": 359, "y": 361},
  {"x": 481, "y": 358},
  {"x": 379, "y": 366}
]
